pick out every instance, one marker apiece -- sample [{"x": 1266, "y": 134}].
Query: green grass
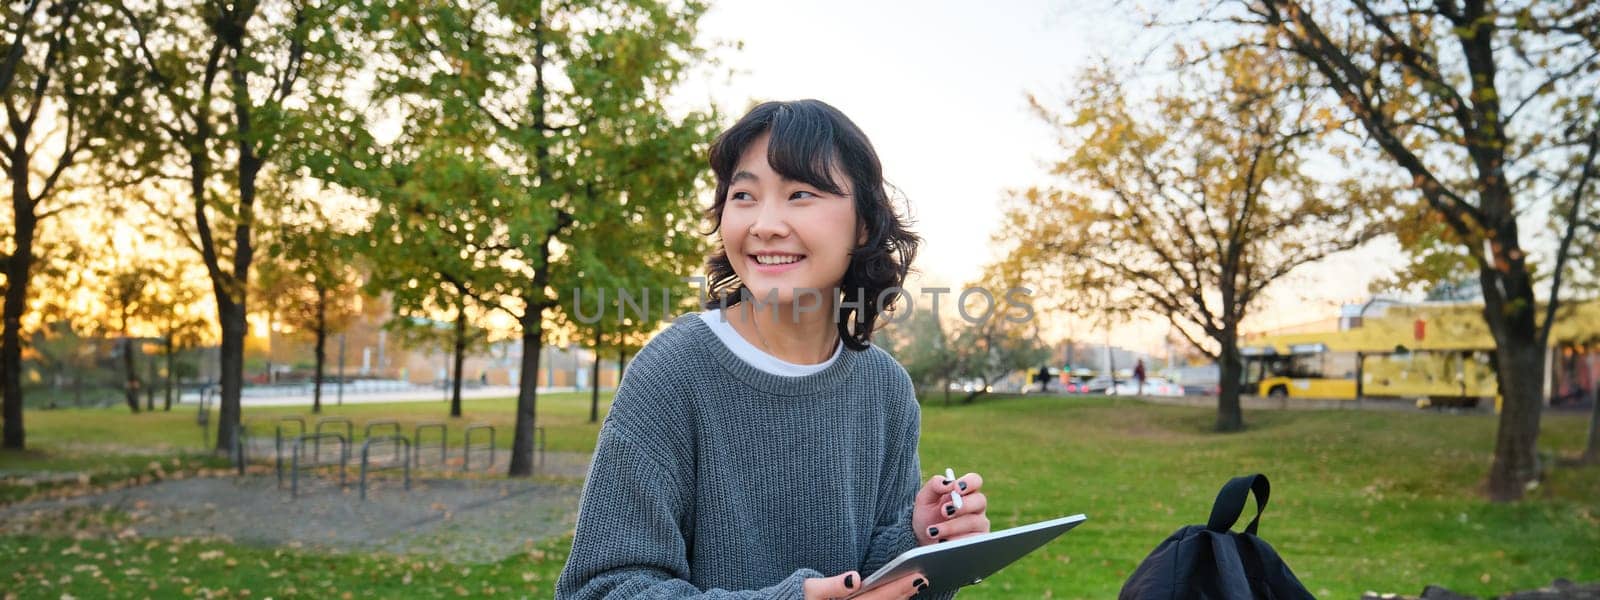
[
  {"x": 564, "y": 415},
  {"x": 109, "y": 567},
  {"x": 1361, "y": 501}
]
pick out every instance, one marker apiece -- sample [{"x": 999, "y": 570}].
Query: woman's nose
[{"x": 770, "y": 220}]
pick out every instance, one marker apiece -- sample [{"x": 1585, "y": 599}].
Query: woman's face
[{"x": 786, "y": 235}]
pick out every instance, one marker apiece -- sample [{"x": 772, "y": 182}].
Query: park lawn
[
  {"x": 1385, "y": 501},
  {"x": 1361, "y": 500},
  {"x": 108, "y": 567}
]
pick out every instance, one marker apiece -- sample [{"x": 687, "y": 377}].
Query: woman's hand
[
  {"x": 844, "y": 584},
  {"x": 934, "y": 516}
]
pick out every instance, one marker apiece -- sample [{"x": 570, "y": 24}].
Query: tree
[
  {"x": 424, "y": 244},
  {"x": 172, "y": 307},
  {"x": 453, "y": 337},
  {"x": 993, "y": 347},
  {"x": 924, "y": 350},
  {"x": 314, "y": 286},
  {"x": 1485, "y": 107},
  {"x": 230, "y": 90},
  {"x": 61, "y": 83},
  {"x": 125, "y": 294},
  {"x": 570, "y": 100},
  {"x": 1188, "y": 206}
]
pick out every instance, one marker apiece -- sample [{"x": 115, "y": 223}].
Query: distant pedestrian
[{"x": 1138, "y": 375}]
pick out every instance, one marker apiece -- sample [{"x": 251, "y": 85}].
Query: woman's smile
[{"x": 772, "y": 263}]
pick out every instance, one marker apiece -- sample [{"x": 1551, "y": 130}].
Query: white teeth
[{"x": 775, "y": 260}]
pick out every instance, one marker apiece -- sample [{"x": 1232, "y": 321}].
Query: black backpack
[{"x": 1214, "y": 563}]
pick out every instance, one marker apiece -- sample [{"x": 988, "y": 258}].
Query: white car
[{"x": 1153, "y": 386}]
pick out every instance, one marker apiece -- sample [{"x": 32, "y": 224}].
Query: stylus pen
[{"x": 955, "y": 495}]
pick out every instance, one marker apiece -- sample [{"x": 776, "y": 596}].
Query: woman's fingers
[
  {"x": 974, "y": 504},
  {"x": 936, "y": 487},
  {"x": 959, "y": 527},
  {"x": 899, "y": 589},
  {"x": 838, "y": 586},
  {"x": 969, "y": 483}
]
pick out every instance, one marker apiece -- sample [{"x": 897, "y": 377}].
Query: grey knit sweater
[{"x": 713, "y": 479}]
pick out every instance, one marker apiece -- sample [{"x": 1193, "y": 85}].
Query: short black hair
[{"x": 810, "y": 142}]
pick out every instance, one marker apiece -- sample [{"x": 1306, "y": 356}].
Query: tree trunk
[
  {"x": 1516, "y": 462},
  {"x": 149, "y": 384},
  {"x": 321, "y": 352},
  {"x": 1230, "y": 416},
  {"x": 594, "y": 390},
  {"x": 527, "y": 393},
  {"x": 130, "y": 376},
  {"x": 172, "y": 375},
  {"x": 460, "y": 360},
  {"x": 233, "y": 304},
  {"x": 18, "y": 273},
  {"x": 1509, "y": 309},
  {"x": 622, "y": 364},
  {"x": 1591, "y": 451},
  {"x": 947, "y": 390},
  {"x": 232, "y": 362}
]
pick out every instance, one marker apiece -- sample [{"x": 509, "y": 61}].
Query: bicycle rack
[
  {"x": 444, "y": 439},
  {"x": 399, "y": 441},
  {"x": 316, "y": 438},
  {"x": 349, "y": 431},
  {"x": 278, "y": 439},
  {"x": 539, "y": 432},
  {"x": 241, "y": 438},
  {"x": 394, "y": 427},
  {"x": 466, "y": 450}
]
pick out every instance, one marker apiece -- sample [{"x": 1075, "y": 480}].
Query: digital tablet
[{"x": 966, "y": 561}]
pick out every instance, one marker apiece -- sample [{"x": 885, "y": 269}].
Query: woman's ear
[{"x": 861, "y": 235}]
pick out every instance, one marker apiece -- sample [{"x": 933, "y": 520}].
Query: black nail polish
[
  {"x": 962, "y": 485},
  {"x": 949, "y": 510},
  {"x": 850, "y": 581},
  {"x": 947, "y": 482},
  {"x": 919, "y": 584},
  {"x": 933, "y": 532},
  {"x": 943, "y": 541},
  {"x": 922, "y": 588}
]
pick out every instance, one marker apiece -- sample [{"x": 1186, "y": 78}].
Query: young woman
[{"x": 764, "y": 448}]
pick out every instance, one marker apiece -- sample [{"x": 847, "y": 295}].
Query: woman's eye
[
  {"x": 801, "y": 194},
  {"x": 741, "y": 196}
]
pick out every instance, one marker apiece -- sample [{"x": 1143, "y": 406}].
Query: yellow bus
[
  {"x": 1438, "y": 354},
  {"x": 1333, "y": 368}
]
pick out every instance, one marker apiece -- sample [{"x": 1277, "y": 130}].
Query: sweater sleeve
[
  {"x": 893, "y": 534},
  {"x": 629, "y": 542}
]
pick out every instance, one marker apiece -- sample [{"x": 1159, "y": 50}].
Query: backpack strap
[{"x": 1230, "y": 503}]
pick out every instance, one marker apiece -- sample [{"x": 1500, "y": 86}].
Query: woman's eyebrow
[{"x": 743, "y": 175}]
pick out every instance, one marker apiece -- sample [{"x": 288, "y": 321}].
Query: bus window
[
  {"x": 1305, "y": 366},
  {"x": 1340, "y": 365}
]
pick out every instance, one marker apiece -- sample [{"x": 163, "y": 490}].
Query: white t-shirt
[{"x": 757, "y": 357}]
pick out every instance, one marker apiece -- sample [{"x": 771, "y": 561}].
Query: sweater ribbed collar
[{"x": 777, "y": 385}]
